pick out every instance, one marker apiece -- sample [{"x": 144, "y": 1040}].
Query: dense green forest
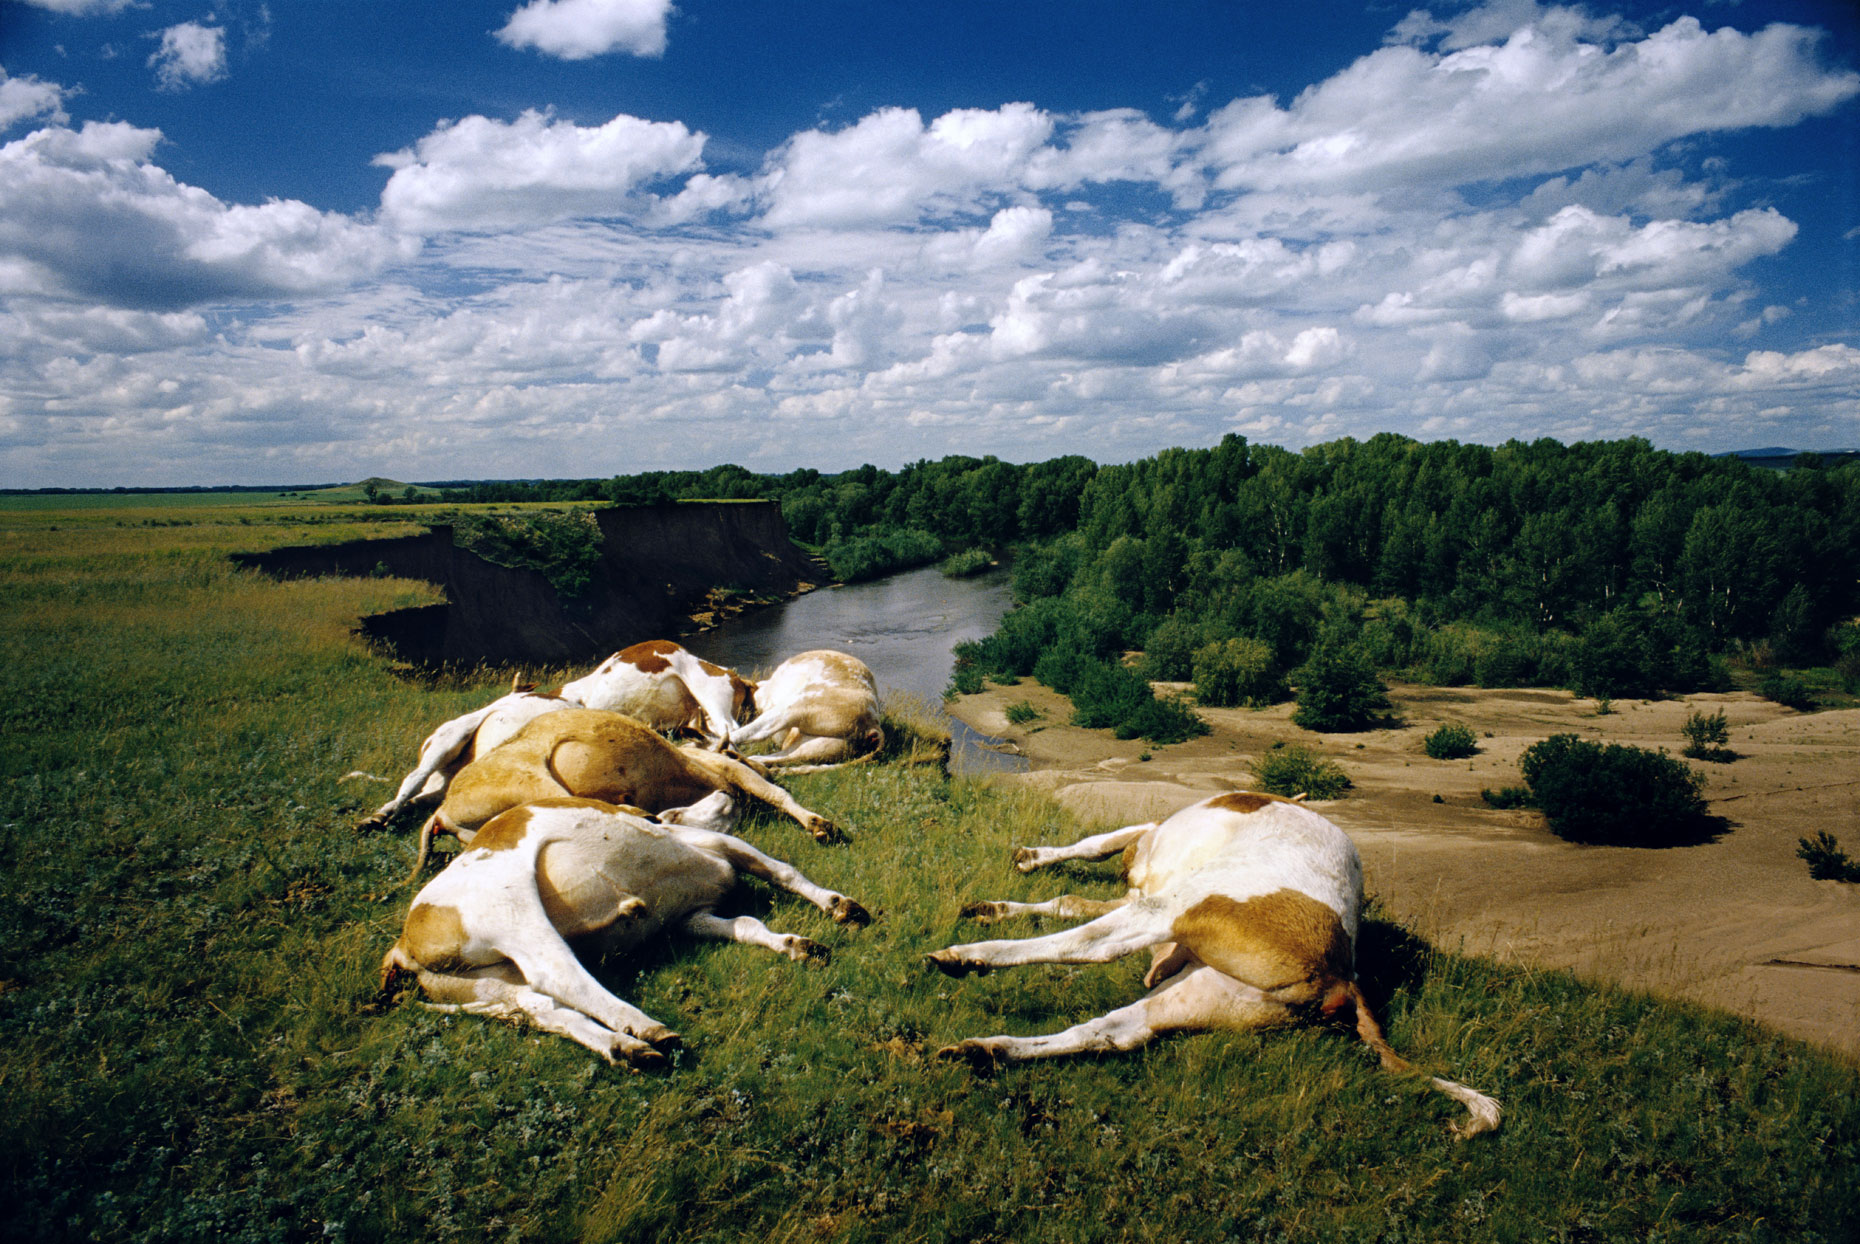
[{"x": 1612, "y": 568}]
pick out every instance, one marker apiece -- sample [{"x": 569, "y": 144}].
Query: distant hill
[{"x": 1776, "y": 458}]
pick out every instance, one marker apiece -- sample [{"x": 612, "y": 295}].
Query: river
[{"x": 904, "y": 627}]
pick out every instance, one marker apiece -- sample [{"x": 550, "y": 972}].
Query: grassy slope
[{"x": 187, "y": 1047}]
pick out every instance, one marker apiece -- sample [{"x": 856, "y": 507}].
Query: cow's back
[{"x": 575, "y": 751}]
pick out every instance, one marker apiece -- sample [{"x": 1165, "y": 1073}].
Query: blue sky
[{"x": 291, "y": 242}]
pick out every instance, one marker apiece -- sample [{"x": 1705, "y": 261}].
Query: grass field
[{"x": 190, "y": 1047}]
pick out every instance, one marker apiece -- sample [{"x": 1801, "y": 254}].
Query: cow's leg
[
  {"x": 736, "y": 775},
  {"x": 767, "y": 726},
  {"x": 1069, "y": 906},
  {"x": 713, "y": 696},
  {"x": 442, "y": 747},
  {"x": 1201, "y": 998},
  {"x": 493, "y": 992},
  {"x": 745, "y": 858},
  {"x": 807, "y": 750},
  {"x": 752, "y": 931},
  {"x": 1132, "y": 926},
  {"x": 525, "y": 936},
  {"x": 1096, "y": 847}
]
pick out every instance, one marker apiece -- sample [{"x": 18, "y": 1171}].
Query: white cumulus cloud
[
  {"x": 190, "y": 55},
  {"x": 580, "y": 29},
  {"x": 27, "y": 98},
  {"x": 85, "y": 213},
  {"x": 484, "y": 175}
]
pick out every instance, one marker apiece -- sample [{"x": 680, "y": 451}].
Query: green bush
[
  {"x": 1826, "y": 860},
  {"x": 878, "y": 554},
  {"x": 1293, "y": 770},
  {"x": 1706, "y": 736},
  {"x": 1169, "y": 652},
  {"x": 1165, "y": 720},
  {"x": 1021, "y": 712},
  {"x": 1610, "y": 793},
  {"x": 564, "y": 545},
  {"x": 1109, "y": 696},
  {"x": 1507, "y": 797},
  {"x": 1787, "y": 690},
  {"x": 966, "y": 563},
  {"x": 1338, "y": 689},
  {"x": 1233, "y": 672},
  {"x": 1451, "y": 742}
]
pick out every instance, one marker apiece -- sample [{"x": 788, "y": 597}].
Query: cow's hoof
[
  {"x": 371, "y": 823},
  {"x": 1024, "y": 860},
  {"x": 985, "y": 912},
  {"x": 824, "y": 831},
  {"x": 981, "y": 1059},
  {"x": 647, "y": 1059},
  {"x": 951, "y": 964},
  {"x": 846, "y": 911},
  {"x": 807, "y": 950},
  {"x": 659, "y": 1036}
]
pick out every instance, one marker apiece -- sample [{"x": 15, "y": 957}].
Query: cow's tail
[
  {"x": 426, "y": 845},
  {"x": 1483, "y": 1114}
]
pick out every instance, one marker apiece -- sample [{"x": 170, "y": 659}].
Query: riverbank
[{"x": 1736, "y": 923}]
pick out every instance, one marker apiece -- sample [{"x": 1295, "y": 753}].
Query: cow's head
[{"x": 742, "y": 697}]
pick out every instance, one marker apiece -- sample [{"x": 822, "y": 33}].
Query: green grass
[{"x": 189, "y": 1047}]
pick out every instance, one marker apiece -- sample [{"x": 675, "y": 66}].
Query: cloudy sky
[{"x": 285, "y": 242}]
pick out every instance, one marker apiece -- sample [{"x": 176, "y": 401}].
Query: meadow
[{"x": 191, "y": 1046}]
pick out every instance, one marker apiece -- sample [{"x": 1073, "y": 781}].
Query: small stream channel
[{"x": 905, "y": 627}]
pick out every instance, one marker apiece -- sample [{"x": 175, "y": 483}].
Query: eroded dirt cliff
[{"x": 659, "y": 565}]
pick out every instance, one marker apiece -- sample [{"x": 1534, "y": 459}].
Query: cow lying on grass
[
  {"x": 666, "y": 687},
  {"x": 656, "y": 682},
  {"x": 488, "y": 936},
  {"x": 820, "y": 708},
  {"x": 459, "y": 742},
  {"x": 591, "y": 754},
  {"x": 1249, "y": 904}
]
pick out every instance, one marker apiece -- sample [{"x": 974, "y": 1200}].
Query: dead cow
[
  {"x": 460, "y": 741},
  {"x": 1249, "y": 904},
  {"x": 591, "y": 754},
  {"x": 488, "y": 935},
  {"x": 656, "y": 682},
  {"x": 820, "y": 708},
  {"x": 666, "y": 687}
]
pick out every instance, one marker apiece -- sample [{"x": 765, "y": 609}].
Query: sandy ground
[{"x": 1735, "y": 923}]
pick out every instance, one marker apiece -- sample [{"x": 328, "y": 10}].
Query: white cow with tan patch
[
  {"x": 591, "y": 754},
  {"x": 666, "y": 687},
  {"x": 460, "y": 741},
  {"x": 820, "y": 709},
  {"x": 489, "y": 935},
  {"x": 656, "y": 682},
  {"x": 1249, "y": 905}
]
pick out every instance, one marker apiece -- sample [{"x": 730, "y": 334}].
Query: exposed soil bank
[
  {"x": 1736, "y": 923},
  {"x": 658, "y": 574}
]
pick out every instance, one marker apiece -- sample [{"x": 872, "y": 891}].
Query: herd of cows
[{"x": 582, "y": 821}]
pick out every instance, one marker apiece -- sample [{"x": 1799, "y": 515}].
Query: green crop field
[{"x": 191, "y": 1048}]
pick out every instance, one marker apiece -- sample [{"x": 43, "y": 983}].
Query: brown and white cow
[
  {"x": 820, "y": 709},
  {"x": 591, "y": 754},
  {"x": 459, "y": 742},
  {"x": 656, "y": 682},
  {"x": 488, "y": 936},
  {"x": 1249, "y": 905},
  {"x": 666, "y": 687}
]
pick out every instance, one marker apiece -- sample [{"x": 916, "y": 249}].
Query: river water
[{"x": 904, "y": 627}]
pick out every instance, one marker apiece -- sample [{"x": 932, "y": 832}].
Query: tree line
[{"x": 1611, "y": 567}]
